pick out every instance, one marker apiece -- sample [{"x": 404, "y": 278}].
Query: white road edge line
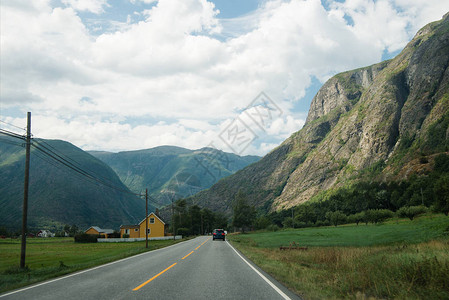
[
  {"x": 283, "y": 295},
  {"x": 83, "y": 271}
]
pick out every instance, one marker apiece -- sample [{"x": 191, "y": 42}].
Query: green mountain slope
[
  {"x": 57, "y": 194},
  {"x": 173, "y": 172},
  {"x": 383, "y": 122}
]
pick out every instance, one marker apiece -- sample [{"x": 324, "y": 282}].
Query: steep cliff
[{"x": 367, "y": 124}]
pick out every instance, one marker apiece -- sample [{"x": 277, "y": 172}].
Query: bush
[
  {"x": 357, "y": 218},
  {"x": 262, "y": 223},
  {"x": 273, "y": 227},
  {"x": 114, "y": 235},
  {"x": 85, "y": 238},
  {"x": 183, "y": 231},
  {"x": 322, "y": 223},
  {"x": 125, "y": 236},
  {"x": 288, "y": 222},
  {"x": 441, "y": 191},
  {"x": 336, "y": 217},
  {"x": 378, "y": 215},
  {"x": 411, "y": 211},
  {"x": 301, "y": 225}
]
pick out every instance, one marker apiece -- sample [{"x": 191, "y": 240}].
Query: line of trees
[
  {"x": 366, "y": 202},
  {"x": 362, "y": 202},
  {"x": 192, "y": 220}
]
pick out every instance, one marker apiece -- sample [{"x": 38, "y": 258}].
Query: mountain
[
  {"x": 173, "y": 172},
  {"x": 57, "y": 194},
  {"x": 379, "y": 123}
]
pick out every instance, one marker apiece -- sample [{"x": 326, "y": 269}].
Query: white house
[{"x": 45, "y": 233}]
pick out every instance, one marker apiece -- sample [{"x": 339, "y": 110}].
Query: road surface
[{"x": 196, "y": 269}]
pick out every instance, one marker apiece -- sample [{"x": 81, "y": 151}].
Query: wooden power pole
[
  {"x": 25, "y": 193},
  {"x": 146, "y": 217}
]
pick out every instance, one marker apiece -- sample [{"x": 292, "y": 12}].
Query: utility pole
[
  {"x": 173, "y": 219},
  {"x": 25, "y": 192},
  {"x": 293, "y": 218},
  {"x": 146, "y": 217}
]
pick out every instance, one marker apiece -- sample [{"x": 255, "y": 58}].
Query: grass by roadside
[
  {"x": 395, "y": 260},
  {"x": 51, "y": 257}
]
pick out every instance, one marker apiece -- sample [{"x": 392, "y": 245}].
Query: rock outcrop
[{"x": 362, "y": 124}]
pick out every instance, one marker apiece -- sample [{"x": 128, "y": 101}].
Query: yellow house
[
  {"x": 103, "y": 233},
  {"x": 155, "y": 228}
]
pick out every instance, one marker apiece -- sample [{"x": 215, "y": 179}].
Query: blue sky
[{"x": 134, "y": 74}]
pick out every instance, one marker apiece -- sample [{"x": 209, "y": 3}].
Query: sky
[{"x": 236, "y": 75}]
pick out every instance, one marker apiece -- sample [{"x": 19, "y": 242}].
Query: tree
[
  {"x": 357, "y": 218},
  {"x": 378, "y": 215},
  {"x": 195, "y": 219},
  {"x": 262, "y": 222},
  {"x": 306, "y": 214},
  {"x": 441, "y": 190},
  {"x": 288, "y": 222},
  {"x": 208, "y": 220},
  {"x": 336, "y": 217},
  {"x": 73, "y": 230},
  {"x": 244, "y": 214},
  {"x": 3, "y": 231},
  {"x": 411, "y": 211}
]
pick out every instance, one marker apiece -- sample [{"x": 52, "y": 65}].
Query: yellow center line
[
  {"x": 201, "y": 244},
  {"x": 187, "y": 254},
  {"x": 154, "y": 277}
]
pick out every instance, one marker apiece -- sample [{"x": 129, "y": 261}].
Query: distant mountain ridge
[
  {"x": 373, "y": 123},
  {"x": 58, "y": 195},
  {"x": 171, "y": 172}
]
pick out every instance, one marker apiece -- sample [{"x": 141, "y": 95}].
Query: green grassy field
[
  {"x": 400, "y": 259},
  {"x": 50, "y": 257}
]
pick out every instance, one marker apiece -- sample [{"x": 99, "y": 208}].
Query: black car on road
[{"x": 218, "y": 234}]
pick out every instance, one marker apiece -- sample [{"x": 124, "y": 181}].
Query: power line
[
  {"x": 12, "y": 134},
  {"x": 80, "y": 171},
  {"x": 54, "y": 155},
  {"x": 12, "y": 125}
]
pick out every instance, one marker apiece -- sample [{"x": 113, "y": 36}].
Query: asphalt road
[{"x": 195, "y": 269}]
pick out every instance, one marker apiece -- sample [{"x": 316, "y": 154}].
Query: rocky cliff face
[{"x": 375, "y": 118}]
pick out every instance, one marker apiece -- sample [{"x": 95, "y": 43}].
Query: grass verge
[
  {"x": 336, "y": 266},
  {"x": 52, "y": 257}
]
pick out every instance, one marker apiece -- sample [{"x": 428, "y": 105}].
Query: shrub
[
  {"x": 288, "y": 222},
  {"x": 125, "y": 236},
  {"x": 85, "y": 238},
  {"x": 115, "y": 235},
  {"x": 411, "y": 211},
  {"x": 378, "y": 215},
  {"x": 357, "y": 218},
  {"x": 262, "y": 223},
  {"x": 182, "y": 231},
  {"x": 273, "y": 227},
  {"x": 322, "y": 223},
  {"x": 336, "y": 217},
  {"x": 441, "y": 190}
]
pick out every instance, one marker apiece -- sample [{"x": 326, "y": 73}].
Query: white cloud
[
  {"x": 184, "y": 66},
  {"x": 93, "y": 6}
]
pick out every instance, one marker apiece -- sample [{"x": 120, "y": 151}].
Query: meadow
[
  {"x": 400, "y": 259},
  {"x": 51, "y": 257}
]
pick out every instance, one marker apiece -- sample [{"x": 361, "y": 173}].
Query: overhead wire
[
  {"x": 12, "y": 125},
  {"x": 79, "y": 170},
  {"x": 51, "y": 154},
  {"x": 11, "y": 134}
]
